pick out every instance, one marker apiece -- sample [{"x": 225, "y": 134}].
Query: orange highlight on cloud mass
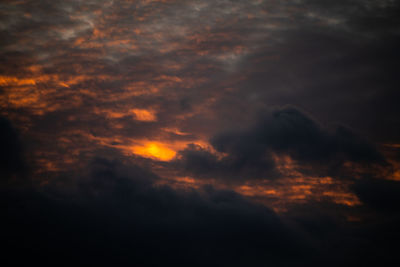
[
  {"x": 154, "y": 150},
  {"x": 144, "y": 114}
]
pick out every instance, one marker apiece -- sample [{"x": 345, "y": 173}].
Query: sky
[{"x": 200, "y": 133}]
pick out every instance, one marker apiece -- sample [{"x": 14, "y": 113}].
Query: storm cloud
[
  {"x": 117, "y": 216},
  {"x": 249, "y": 153}
]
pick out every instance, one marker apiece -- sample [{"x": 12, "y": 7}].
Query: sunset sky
[{"x": 200, "y": 133}]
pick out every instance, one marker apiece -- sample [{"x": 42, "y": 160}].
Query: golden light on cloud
[
  {"x": 164, "y": 151},
  {"x": 144, "y": 114},
  {"x": 14, "y": 81},
  {"x": 154, "y": 150},
  {"x": 396, "y": 175},
  {"x": 294, "y": 187}
]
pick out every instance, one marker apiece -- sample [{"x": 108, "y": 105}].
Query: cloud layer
[{"x": 169, "y": 132}]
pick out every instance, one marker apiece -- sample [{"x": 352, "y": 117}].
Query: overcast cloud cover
[{"x": 200, "y": 133}]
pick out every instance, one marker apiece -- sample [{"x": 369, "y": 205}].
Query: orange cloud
[
  {"x": 14, "y": 81},
  {"x": 154, "y": 150},
  {"x": 144, "y": 114},
  {"x": 294, "y": 187}
]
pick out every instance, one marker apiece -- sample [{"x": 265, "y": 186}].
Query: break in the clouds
[{"x": 174, "y": 132}]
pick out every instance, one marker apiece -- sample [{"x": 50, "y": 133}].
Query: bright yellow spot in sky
[
  {"x": 144, "y": 114},
  {"x": 154, "y": 150}
]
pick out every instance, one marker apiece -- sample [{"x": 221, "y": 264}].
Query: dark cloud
[
  {"x": 366, "y": 240},
  {"x": 120, "y": 218},
  {"x": 288, "y": 131},
  {"x": 381, "y": 200},
  {"x": 331, "y": 74},
  {"x": 379, "y": 194},
  {"x": 12, "y": 161},
  {"x": 118, "y": 215}
]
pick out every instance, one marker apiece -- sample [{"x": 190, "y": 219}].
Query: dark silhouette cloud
[
  {"x": 11, "y": 154},
  {"x": 379, "y": 194},
  {"x": 117, "y": 216},
  {"x": 288, "y": 131}
]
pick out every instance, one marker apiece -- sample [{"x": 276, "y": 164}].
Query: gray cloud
[{"x": 288, "y": 131}]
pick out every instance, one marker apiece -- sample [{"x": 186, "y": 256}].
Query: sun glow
[{"x": 154, "y": 150}]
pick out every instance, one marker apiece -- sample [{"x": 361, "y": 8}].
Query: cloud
[
  {"x": 118, "y": 216},
  {"x": 112, "y": 213},
  {"x": 12, "y": 161},
  {"x": 249, "y": 153},
  {"x": 120, "y": 79},
  {"x": 89, "y": 61},
  {"x": 381, "y": 200},
  {"x": 380, "y": 194}
]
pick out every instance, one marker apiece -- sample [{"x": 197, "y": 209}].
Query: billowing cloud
[
  {"x": 117, "y": 216},
  {"x": 249, "y": 153}
]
